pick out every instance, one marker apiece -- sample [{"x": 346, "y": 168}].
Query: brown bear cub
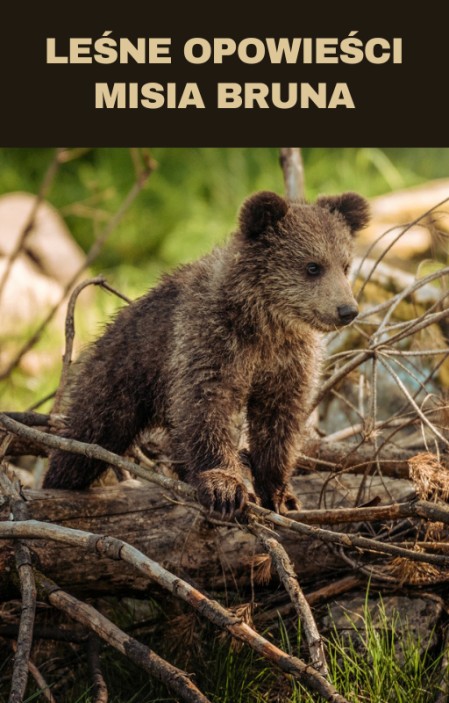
[{"x": 230, "y": 338}]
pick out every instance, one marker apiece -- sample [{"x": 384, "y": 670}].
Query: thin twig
[
  {"x": 389, "y": 278},
  {"x": 287, "y": 574},
  {"x": 41, "y": 401},
  {"x": 394, "y": 511},
  {"x": 403, "y": 231},
  {"x": 70, "y": 332},
  {"x": 360, "y": 428},
  {"x": 70, "y": 337},
  {"x": 90, "y": 257},
  {"x": 107, "y": 286},
  {"x": 29, "y": 224},
  {"x": 358, "y": 359},
  {"x": 412, "y": 288},
  {"x": 413, "y": 403},
  {"x": 99, "y": 687}
]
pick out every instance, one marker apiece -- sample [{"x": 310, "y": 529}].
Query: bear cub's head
[{"x": 302, "y": 254}]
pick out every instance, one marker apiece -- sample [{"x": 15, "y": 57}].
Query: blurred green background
[
  {"x": 192, "y": 198},
  {"x": 188, "y": 205}
]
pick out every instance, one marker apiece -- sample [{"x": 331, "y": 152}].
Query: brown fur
[{"x": 233, "y": 336}]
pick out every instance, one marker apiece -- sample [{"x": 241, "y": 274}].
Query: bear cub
[{"x": 232, "y": 338}]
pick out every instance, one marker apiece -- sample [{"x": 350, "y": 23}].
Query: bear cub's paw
[
  {"x": 290, "y": 501},
  {"x": 280, "y": 500},
  {"x": 222, "y": 492}
]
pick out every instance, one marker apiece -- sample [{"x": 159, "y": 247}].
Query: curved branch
[{"x": 210, "y": 609}]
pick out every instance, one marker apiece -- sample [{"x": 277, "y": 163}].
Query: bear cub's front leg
[
  {"x": 205, "y": 443},
  {"x": 277, "y": 411}
]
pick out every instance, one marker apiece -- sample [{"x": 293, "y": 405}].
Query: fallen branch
[
  {"x": 93, "y": 451},
  {"x": 159, "y": 523},
  {"x": 290, "y": 581},
  {"x": 316, "y": 454},
  {"x": 175, "y": 679},
  {"x": 39, "y": 679},
  {"x": 345, "y": 540},
  {"x": 99, "y": 687},
  {"x": 414, "y": 508},
  {"x": 25, "y": 635},
  {"x": 212, "y": 610},
  {"x": 28, "y": 592}
]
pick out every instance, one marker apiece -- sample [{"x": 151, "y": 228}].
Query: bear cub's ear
[
  {"x": 260, "y": 211},
  {"x": 352, "y": 206}
]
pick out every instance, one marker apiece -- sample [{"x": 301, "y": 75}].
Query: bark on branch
[{"x": 116, "y": 549}]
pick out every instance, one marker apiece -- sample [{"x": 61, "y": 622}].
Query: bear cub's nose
[{"x": 347, "y": 313}]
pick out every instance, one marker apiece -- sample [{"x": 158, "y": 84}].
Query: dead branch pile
[{"x": 158, "y": 538}]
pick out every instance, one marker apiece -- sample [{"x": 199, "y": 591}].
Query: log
[
  {"x": 316, "y": 453},
  {"x": 391, "y": 212},
  {"x": 408, "y": 204},
  {"x": 170, "y": 531},
  {"x": 356, "y": 458}
]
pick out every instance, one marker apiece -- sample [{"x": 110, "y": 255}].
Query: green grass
[
  {"x": 386, "y": 663},
  {"x": 380, "y": 661}
]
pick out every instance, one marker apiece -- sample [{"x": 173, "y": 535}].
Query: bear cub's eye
[{"x": 314, "y": 269}]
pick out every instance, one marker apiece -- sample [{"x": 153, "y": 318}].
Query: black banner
[{"x": 330, "y": 75}]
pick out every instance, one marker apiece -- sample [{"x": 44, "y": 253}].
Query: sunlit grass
[
  {"x": 376, "y": 658},
  {"x": 383, "y": 662}
]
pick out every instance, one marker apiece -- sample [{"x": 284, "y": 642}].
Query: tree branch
[
  {"x": 293, "y": 170},
  {"x": 210, "y": 609},
  {"x": 290, "y": 581},
  {"x": 175, "y": 679},
  {"x": 28, "y": 591}
]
